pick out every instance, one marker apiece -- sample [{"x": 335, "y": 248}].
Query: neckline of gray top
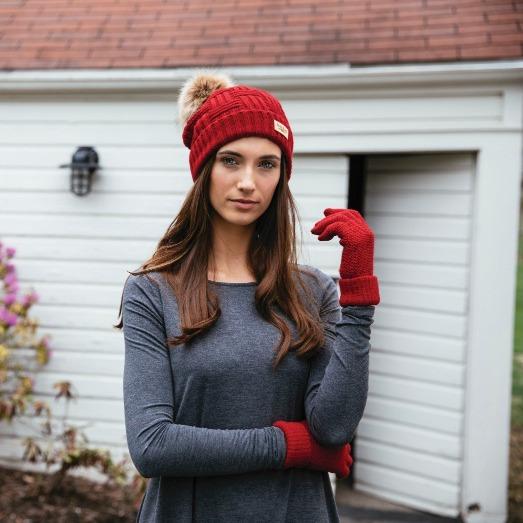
[{"x": 231, "y": 283}]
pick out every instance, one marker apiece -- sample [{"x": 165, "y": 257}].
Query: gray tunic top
[{"x": 199, "y": 419}]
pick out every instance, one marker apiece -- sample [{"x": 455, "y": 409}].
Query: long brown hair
[{"x": 182, "y": 256}]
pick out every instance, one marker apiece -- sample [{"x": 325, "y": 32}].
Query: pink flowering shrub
[
  {"x": 18, "y": 336},
  {"x": 17, "y": 333}
]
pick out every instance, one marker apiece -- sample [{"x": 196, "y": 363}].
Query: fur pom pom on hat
[
  {"x": 213, "y": 111},
  {"x": 196, "y": 90}
]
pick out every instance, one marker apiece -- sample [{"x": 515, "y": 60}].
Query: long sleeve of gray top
[{"x": 337, "y": 387}]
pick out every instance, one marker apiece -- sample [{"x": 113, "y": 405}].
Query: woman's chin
[{"x": 239, "y": 218}]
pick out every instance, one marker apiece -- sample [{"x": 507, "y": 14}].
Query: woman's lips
[{"x": 243, "y": 205}]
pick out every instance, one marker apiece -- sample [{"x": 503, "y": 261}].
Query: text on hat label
[{"x": 281, "y": 128}]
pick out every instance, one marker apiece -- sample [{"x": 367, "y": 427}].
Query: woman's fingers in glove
[
  {"x": 347, "y": 215},
  {"x": 330, "y": 210},
  {"x": 346, "y": 464},
  {"x": 337, "y": 460},
  {"x": 351, "y": 220},
  {"x": 328, "y": 231}
]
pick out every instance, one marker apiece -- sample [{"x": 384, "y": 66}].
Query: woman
[{"x": 244, "y": 379}]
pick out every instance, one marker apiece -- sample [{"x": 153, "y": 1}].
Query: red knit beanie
[{"x": 214, "y": 111}]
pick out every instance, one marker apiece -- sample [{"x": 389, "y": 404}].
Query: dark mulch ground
[
  {"x": 81, "y": 500},
  {"x": 75, "y": 500}
]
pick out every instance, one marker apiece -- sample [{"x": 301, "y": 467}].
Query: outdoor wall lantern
[{"x": 83, "y": 166}]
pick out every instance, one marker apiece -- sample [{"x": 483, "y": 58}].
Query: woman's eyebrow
[{"x": 265, "y": 156}]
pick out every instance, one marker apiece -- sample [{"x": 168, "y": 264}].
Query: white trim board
[{"x": 284, "y": 76}]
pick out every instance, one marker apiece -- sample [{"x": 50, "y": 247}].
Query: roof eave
[{"x": 280, "y": 76}]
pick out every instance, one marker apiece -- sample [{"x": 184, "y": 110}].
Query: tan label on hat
[{"x": 281, "y": 129}]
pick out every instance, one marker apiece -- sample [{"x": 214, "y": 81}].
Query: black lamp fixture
[{"x": 83, "y": 166}]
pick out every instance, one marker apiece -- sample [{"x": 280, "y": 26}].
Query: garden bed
[{"x": 75, "y": 500}]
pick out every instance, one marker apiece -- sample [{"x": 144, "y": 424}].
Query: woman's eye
[
  {"x": 224, "y": 158},
  {"x": 271, "y": 165}
]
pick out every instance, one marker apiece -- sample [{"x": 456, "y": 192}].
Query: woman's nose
[{"x": 246, "y": 178}]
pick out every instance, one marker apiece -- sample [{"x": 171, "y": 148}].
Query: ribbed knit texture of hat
[{"x": 235, "y": 112}]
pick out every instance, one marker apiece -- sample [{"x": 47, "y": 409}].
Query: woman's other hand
[{"x": 358, "y": 284}]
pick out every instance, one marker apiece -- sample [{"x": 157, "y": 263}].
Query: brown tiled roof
[{"x": 67, "y": 34}]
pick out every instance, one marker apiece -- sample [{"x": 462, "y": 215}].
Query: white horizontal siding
[
  {"x": 441, "y": 468},
  {"x": 408, "y": 437},
  {"x": 85, "y": 340},
  {"x": 409, "y": 442},
  {"x": 393, "y": 106}
]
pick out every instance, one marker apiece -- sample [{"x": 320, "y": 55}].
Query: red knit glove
[
  {"x": 358, "y": 285},
  {"x": 303, "y": 451}
]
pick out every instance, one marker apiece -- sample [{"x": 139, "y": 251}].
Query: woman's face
[{"x": 248, "y": 169}]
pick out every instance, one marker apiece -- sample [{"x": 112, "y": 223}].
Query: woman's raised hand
[
  {"x": 358, "y": 284},
  {"x": 303, "y": 451}
]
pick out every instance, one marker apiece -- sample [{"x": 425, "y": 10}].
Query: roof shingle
[{"x": 67, "y": 34}]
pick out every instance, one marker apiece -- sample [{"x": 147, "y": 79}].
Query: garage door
[{"x": 409, "y": 442}]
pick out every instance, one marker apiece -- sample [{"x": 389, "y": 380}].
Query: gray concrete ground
[{"x": 357, "y": 507}]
